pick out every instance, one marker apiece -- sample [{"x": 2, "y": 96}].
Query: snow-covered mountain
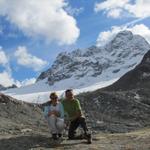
[
  {"x": 87, "y": 69},
  {"x": 82, "y": 68}
]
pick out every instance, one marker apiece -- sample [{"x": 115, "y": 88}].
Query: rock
[{"x": 26, "y": 130}]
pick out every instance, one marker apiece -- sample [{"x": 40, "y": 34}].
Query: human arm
[
  {"x": 46, "y": 111},
  {"x": 61, "y": 110},
  {"x": 78, "y": 111}
]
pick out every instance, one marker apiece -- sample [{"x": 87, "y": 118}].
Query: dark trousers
[{"x": 75, "y": 124}]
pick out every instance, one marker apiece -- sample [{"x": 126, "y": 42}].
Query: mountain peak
[
  {"x": 85, "y": 67},
  {"x": 125, "y": 33}
]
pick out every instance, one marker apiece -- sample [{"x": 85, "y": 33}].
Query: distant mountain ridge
[
  {"x": 83, "y": 67},
  {"x": 2, "y": 88}
]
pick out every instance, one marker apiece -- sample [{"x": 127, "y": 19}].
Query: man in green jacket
[{"x": 73, "y": 110}]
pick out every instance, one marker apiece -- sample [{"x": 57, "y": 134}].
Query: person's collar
[
  {"x": 54, "y": 103},
  {"x": 70, "y": 99}
]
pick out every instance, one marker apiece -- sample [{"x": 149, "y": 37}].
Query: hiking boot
[
  {"x": 54, "y": 136},
  {"x": 71, "y": 138},
  {"x": 59, "y": 135},
  {"x": 81, "y": 136},
  {"x": 89, "y": 138}
]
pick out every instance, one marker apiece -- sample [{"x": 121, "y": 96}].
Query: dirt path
[{"x": 139, "y": 140}]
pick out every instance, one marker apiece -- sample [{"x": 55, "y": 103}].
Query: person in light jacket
[{"x": 54, "y": 114}]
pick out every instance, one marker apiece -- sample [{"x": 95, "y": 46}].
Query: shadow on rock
[
  {"x": 24, "y": 142},
  {"x": 29, "y": 142}
]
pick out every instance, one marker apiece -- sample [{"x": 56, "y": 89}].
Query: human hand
[
  {"x": 55, "y": 113},
  {"x": 51, "y": 113}
]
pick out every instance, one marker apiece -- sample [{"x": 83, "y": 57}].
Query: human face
[
  {"x": 69, "y": 95},
  {"x": 54, "y": 98}
]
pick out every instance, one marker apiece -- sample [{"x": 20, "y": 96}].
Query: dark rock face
[
  {"x": 136, "y": 78},
  {"x": 116, "y": 111},
  {"x": 13, "y": 86},
  {"x": 2, "y": 88}
]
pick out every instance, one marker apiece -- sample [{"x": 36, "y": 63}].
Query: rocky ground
[
  {"x": 123, "y": 106},
  {"x": 22, "y": 127},
  {"x": 117, "y": 112},
  {"x": 17, "y": 116},
  {"x": 30, "y": 140}
]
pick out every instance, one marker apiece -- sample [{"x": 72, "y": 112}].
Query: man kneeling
[{"x": 72, "y": 108}]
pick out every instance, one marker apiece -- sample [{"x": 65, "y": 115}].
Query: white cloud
[
  {"x": 4, "y": 60},
  {"x": 74, "y": 11},
  {"x": 138, "y": 9},
  {"x": 25, "y": 82},
  {"x": 115, "y": 13},
  {"x": 106, "y": 36},
  {"x": 28, "y": 81},
  {"x": 110, "y": 4},
  {"x": 6, "y": 79},
  {"x": 28, "y": 60},
  {"x": 142, "y": 30},
  {"x": 3, "y": 57},
  {"x": 47, "y": 19},
  {"x": 5, "y": 76}
]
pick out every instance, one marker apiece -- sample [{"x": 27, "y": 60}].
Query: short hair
[
  {"x": 53, "y": 94},
  {"x": 68, "y": 90}
]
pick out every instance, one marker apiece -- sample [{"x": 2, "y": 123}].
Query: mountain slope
[
  {"x": 136, "y": 78},
  {"x": 18, "y": 117},
  {"x": 86, "y": 69},
  {"x": 82, "y": 68},
  {"x": 123, "y": 106},
  {"x": 23, "y": 127},
  {"x": 22, "y": 124}
]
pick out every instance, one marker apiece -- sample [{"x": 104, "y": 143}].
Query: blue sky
[{"x": 32, "y": 33}]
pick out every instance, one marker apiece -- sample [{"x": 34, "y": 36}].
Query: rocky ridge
[{"x": 96, "y": 64}]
